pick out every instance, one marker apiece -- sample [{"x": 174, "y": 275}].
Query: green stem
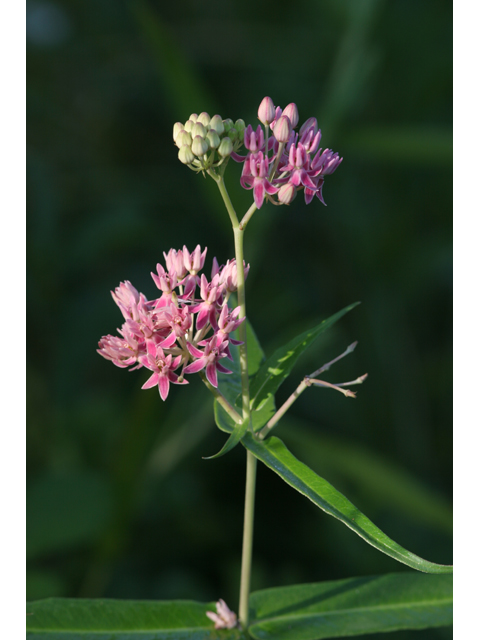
[
  {"x": 247, "y": 548},
  {"x": 284, "y": 408},
  {"x": 247, "y": 539}
]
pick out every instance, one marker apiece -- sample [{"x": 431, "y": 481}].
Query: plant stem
[
  {"x": 284, "y": 408},
  {"x": 247, "y": 539},
  {"x": 251, "y": 460}
]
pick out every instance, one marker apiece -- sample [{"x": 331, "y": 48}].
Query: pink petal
[
  {"x": 169, "y": 341},
  {"x": 196, "y": 353},
  {"x": 151, "y": 382},
  {"x": 222, "y": 369},
  {"x": 196, "y": 366},
  {"x": 212, "y": 375},
  {"x": 258, "y": 193},
  {"x": 163, "y": 386}
]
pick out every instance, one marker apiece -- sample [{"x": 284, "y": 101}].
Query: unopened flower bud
[
  {"x": 216, "y": 123},
  {"x": 283, "y": 129},
  {"x": 233, "y": 134},
  {"x": 188, "y": 125},
  {"x": 286, "y": 194},
  {"x": 199, "y": 146},
  {"x": 213, "y": 139},
  {"x": 226, "y": 147},
  {"x": 183, "y": 138},
  {"x": 198, "y": 130},
  {"x": 228, "y": 124},
  {"x": 204, "y": 118},
  {"x": 311, "y": 122},
  {"x": 266, "y": 111},
  {"x": 185, "y": 155},
  {"x": 292, "y": 112},
  {"x": 177, "y": 127},
  {"x": 193, "y": 117},
  {"x": 240, "y": 127}
]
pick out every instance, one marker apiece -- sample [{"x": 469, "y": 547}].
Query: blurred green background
[{"x": 120, "y": 502}]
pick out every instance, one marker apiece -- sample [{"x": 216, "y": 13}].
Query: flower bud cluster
[
  {"x": 286, "y": 162},
  {"x": 205, "y": 142},
  {"x": 185, "y": 330}
]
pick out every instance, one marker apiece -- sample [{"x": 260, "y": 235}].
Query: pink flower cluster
[
  {"x": 289, "y": 161},
  {"x": 178, "y": 330}
]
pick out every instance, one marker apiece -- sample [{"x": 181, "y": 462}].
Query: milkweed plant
[{"x": 198, "y": 325}]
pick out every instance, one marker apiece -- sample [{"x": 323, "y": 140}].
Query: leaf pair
[{"x": 301, "y": 612}]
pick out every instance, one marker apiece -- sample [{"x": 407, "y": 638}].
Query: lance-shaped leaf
[
  {"x": 278, "y": 367},
  {"x": 84, "y": 619},
  {"x": 277, "y": 457},
  {"x": 352, "y": 607},
  {"x": 233, "y": 439}
]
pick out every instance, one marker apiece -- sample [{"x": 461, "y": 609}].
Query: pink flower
[
  {"x": 228, "y": 275},
  {"x": 255, "y": 176},
  {"x": 254, "y": 140},
  {"x": 123, "y": 352},
  {"x": 175, "y": 262},
  {"x": 208, "y": 359},
  {"x": 194, "y": 261},
  {"x": 163, "y": 367},
  {"x": 224, "y": 618},
  {"x": 180, "y": 321},
  {"x": 211, "y": 293}
]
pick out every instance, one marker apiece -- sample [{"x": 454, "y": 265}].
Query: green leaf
[
  {"x": 83, "y": 619},
  {"x": 278, "y": 367},
  {"x": 277, "y": 457},
  {"x": 234, "y": 438},
  {"x": 352, "y": 607}
]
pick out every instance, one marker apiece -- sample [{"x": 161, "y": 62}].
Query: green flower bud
[
  {"x": 177, "y": 127},
  {"x": 204, "y": 118},
  {"x": 199, "y": 146},
  {"x": 240, "y": 126},
  {"x": 213, "y": 139},
  {"x": 188, "y": 125},
  {"x": 193, "y": 117},
  {"x": 228, "y": 124},
  {"x": 198, "y": 130},
  {"x": 233, "y": 134},
  {"x": 225, "y": 148},
  {"x": 216, "y": 123},
  {"x": 183, "y": 138},
  {"x": 185, "y": 155}
]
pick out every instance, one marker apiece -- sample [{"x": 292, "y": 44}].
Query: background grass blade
[
  {"x": 277, "y": 457},
  {"x": 352, "y": 607},
  {"x": 85, "y": 619}
]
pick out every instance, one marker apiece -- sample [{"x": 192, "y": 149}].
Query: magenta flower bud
[
  {"x": 283, "y": 129},
  {"x": 199, "y": 146},
  {"x": 266, "y": 111},
  {"x": 185, "y": 155},
  {"x": 292, "y": 112},
  {"x": 311, "y": 122},
  {"x": 286, "y": 194}
]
